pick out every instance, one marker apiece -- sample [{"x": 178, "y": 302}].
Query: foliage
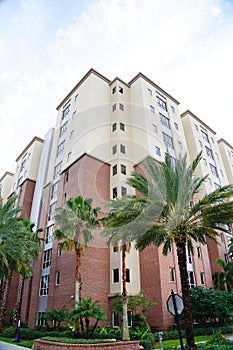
[
  {"x": 78, "y": 341},
  {"x": 86, "y": 310},
  {"x": 18, "y": 246},
  {"x": 224, "y": 278},
  {"x": 137, "y": 304},
  {"x": 146, "y": 344},
  {"x": 209, "y": 303},
  {"x": 57, "y": 316},
  {"x": 163, "y": 215}
]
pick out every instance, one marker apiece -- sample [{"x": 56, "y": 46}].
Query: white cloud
[{"x": 186, "y": 48}]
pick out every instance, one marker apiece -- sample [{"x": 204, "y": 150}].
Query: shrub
[
  {"x": 78, "y": 341},
  {"x": 146, "y": 344}
]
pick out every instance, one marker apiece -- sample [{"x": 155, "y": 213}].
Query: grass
[
  {"x": 176, "y": 342},
  {"x": 25, "y": 343}
]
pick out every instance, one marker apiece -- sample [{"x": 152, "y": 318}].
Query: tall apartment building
[
  {"x": 22, "y": 184},
  {"x": 104, "y": 131}
]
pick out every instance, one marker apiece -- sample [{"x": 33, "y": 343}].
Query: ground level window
[{"x": 41, "y": 319}]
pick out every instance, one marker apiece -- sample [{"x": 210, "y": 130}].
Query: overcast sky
[{"x": 46, "y": 46}]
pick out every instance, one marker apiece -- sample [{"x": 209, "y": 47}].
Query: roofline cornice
[{"x": 188, "y": 112}]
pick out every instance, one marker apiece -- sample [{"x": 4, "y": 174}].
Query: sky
[{"x": 47, "y": 46}]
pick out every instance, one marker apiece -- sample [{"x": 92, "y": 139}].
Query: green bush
[
  {"x": 28, "y": 333},
  {"x": 78, "y": 341},
  {"x": 146, "y": 344}
]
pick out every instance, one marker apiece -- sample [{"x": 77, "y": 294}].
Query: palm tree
[
  {"x": 87, "y": 310},
  {"x": 224, "y": 279},
  {"x": 31, "y": 251},
  {"x": 75, "y": 223},
  {"x": 166, "y": 215},
  {"x": 119, "y": 208}
]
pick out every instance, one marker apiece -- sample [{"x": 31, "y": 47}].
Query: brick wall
[{"x": 46, "y": 345}]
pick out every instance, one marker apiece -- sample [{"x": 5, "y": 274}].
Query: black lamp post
[{"x": 17, "y": 330}]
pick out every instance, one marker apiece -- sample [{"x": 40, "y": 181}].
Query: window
[
  {"x": 66, "y": 177},
  {"x": 65, "y": 111},
  {"x": 114, "y": 90},
  {"x": 114, "y": 170},
  {"x": 44, "y": 285},
  {"x": 122, "y": 149},
  {"x": 205, "y": 135},
  {"x": 205, "y": 161},
  {"x": 123, "y": 191},
  {"x": 74, "y": 115},
  {"x": 116, "y": 277},
  {"x": 216, "y": 154},
  {"x": 210, "y": 182},
  {"x": 149, "y": 92},
  {"x": 122, "y": 126},
  {"x": 63, "y": 129},
  {"x": 199, "y": 252},
  {"x": 114, "y": 192},
  {"x": 157, "y": 151},
  {"x": 169, "y": 247},
  {"x": 57, "y": 278},
  {"x": 221, "y": 172},
  {"x": 168, "y": 140},
  {"x": 222, "y": 237},
  {"x": 123, "y": 169},
  {"x": 69, "y": 156},
  {"x": 114, "y": 126},
  {"x": 189, "y": 256},
  {"x": 161, "y": 103},
  {"x": 60, "y": 148},
  {"x": 196, "y": 127},
  {"x": 49, "y": 234},
  {"x": 191, "y": 279},
  {"x": 128, "y": 275},
  {"x": 213, "y": 170},
  {"x": 41, "y": 319},
  {"x": 76, "y": 98},
  {"x": 176, "y": 126},
  {"x": 152, "y": 109},
  {"x": 172, "y": 274},
  {"x": 200, "y": 143},
  {"x": 47, "y": 258},
  {"x": 71, "y": 134},
  {"x": 115, "y": 320},
  {"x": 54, "y": 191},
  {"x": 115, "y": 249},
  {"x": 121, "y": 90},
  {"x": 52, "y": 211},
  {"x": 164, "y": 121},
  {"x": 64, "y": 198},
  {"x": 59, "y": 250},
  {"x": 202, "y": 275},
  {"x": 216, "y": 185},
  {"x": 114, "y": 107},
  {"x": 155, "y": 129},
  {"x": 212, "y": 139},
  {"x": 180, "y": 145},
  {"x": 122, "y": 107},
  {"x": 173, "y": 109},
  {"x": 114, "y": 149},
  {"x": 209, "y": 152}
]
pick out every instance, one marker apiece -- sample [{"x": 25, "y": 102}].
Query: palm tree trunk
[
  {"x": 125, "y": 333},
  {"x": 78, "y": 285},
  {"x": 182, "y": 262},
  {"x": 18, "y": 297},
  {"x": 4, "y": 300}
]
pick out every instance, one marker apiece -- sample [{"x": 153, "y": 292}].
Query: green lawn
[
  {"x": 176, "y": 342},
  {"x": 25, "y": 343}
]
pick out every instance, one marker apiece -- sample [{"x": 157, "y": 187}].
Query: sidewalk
[{"x": 7, "y": 346}]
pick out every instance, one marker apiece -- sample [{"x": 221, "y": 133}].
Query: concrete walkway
[{"x": 7, "y": 346}]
